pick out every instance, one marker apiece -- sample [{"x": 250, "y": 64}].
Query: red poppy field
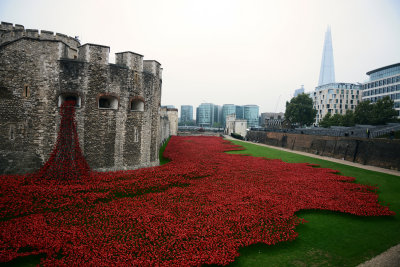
[{"x": 200, "y": 208}]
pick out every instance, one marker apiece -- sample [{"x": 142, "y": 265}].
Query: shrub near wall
[{"x": 377, "y": 152}]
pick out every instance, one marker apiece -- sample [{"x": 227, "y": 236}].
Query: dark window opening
[
  {"x": 68, "y": 97},
  {"x": 26, "y": 92},
  {"x": 104, "y": 103},
  {"x": 72, "y": 100},
  {"x": 12, "y": 132},
  {"x": 108, "y": 102},
  {"x": 137, "y": 105}
]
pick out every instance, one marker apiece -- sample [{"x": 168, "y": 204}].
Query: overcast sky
[{"x": 229, "y": 51}]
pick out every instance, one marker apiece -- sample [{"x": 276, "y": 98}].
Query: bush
[{"x": 237, "y": 136}]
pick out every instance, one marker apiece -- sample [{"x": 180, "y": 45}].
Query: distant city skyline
[{"x": 229, "y": 51}]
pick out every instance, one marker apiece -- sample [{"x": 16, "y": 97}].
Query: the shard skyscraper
[{"x": 327, "y": 72}]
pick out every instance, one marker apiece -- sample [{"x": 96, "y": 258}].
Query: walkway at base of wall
[
  {"x": 389, "y": 258},
  {"x": 345, "y": 162}
]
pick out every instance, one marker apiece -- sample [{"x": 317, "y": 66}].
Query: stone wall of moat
[{"x": 376, "y": 152}]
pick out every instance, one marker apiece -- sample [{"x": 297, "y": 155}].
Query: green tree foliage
[
  {"x": 326, "y": 121},
  {"x": 363, "y": 112},
  {"x": 366, "y": 112},
  {"x": 348, "y": 119},
  {"x": 300, "y": 110},
  {"x": 383, "y": 111},
  {"x": 338, "y": 120}
]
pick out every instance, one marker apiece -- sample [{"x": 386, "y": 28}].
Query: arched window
[
  {"x": 108, "y": 102},
  {"x": 137, "y": 105},
  {"x": 69, "y": 97}
]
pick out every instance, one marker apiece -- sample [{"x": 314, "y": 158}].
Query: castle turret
[
  {"x": 153, "y": 67},
  {"x": 94, "y": 53},
  {"x": 130, "y": 60}
]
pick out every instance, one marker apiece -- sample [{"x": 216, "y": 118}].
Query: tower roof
[{"x": 327, "y": 72}]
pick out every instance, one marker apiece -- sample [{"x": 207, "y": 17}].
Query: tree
[
  {"x": 383, "y": 111},
  {"x": 363, "y": 112},
  {"x": 336, "y": 120},
  {"x": 300, "y": 110},
  {"x": 348, "y": 119},
  {"x": 380, "y": 112},
  {"x": 326, "y": 121}
]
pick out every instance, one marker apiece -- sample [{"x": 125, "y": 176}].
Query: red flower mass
[{"x": 200, "y": 208}]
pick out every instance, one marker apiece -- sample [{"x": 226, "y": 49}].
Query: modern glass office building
[
  {"x": 251, "y": 115},
  {"x": 186, "y": 113},
  {"x": 205, "y": 115},
  {"x": 239, "y": 112},
  {"x": 383, "y": 82},
  {"x": 218, "y": 115},
  {"x": 327, "y": 71},
  {"x": 227, "y": 109}
]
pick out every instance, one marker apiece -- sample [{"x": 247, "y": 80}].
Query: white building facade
[
  {"x": 336, "y": 98},
  {"x": 233, "y": 125}
]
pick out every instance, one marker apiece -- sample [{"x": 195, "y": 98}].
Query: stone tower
[
  {"x": 327, "y": 72},
  {"x": 117, "y": 105}
]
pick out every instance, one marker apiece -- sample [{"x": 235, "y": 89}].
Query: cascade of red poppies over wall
[{"x": 66, "y": 162}]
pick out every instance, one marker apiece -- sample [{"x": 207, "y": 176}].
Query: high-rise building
[
  {"x": 330, "y": 96},
  {"x": 205, "y": 115},
  {"x": 218, "y": 115},
  {"x": 384, "y": 81},
  {"x": 186, "y": 113},
  {"x": 227, "y": 109},
  {"x": 299, "y": 91},
  {"x": 239, "y": 112},
  {"x": 336, "y": 98},
  {"x": 327, "y": 71},
  {"x": 251, "y": 115}
]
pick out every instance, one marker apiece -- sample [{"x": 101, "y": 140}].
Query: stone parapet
[{"x": 9, "y": 33}]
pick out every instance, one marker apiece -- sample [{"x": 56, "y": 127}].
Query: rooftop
[{"x": 383, "y": 68}]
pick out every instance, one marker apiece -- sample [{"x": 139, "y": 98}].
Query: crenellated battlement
[
  {"x": 130, "y": 60},
  {"x": 93, "y": 53},
  {"x": 153, "y": 67},
  {"x": 10, "y": 32}
]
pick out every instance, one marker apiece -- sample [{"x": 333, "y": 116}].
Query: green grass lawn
[
  {"x": 161, "y": 152},
  {"x": 330, "y": 238}
]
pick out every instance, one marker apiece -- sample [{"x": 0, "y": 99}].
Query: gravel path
[{"x": 389, "y": 258}]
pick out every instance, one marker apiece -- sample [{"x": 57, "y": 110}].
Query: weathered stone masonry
[{"x": 118, "y": 105}]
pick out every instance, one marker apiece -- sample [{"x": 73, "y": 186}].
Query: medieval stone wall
[
  {"x": 117, "y": 114},
  {"x": 376, "y": 152},
  {"x": 168, "y": 123}
]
